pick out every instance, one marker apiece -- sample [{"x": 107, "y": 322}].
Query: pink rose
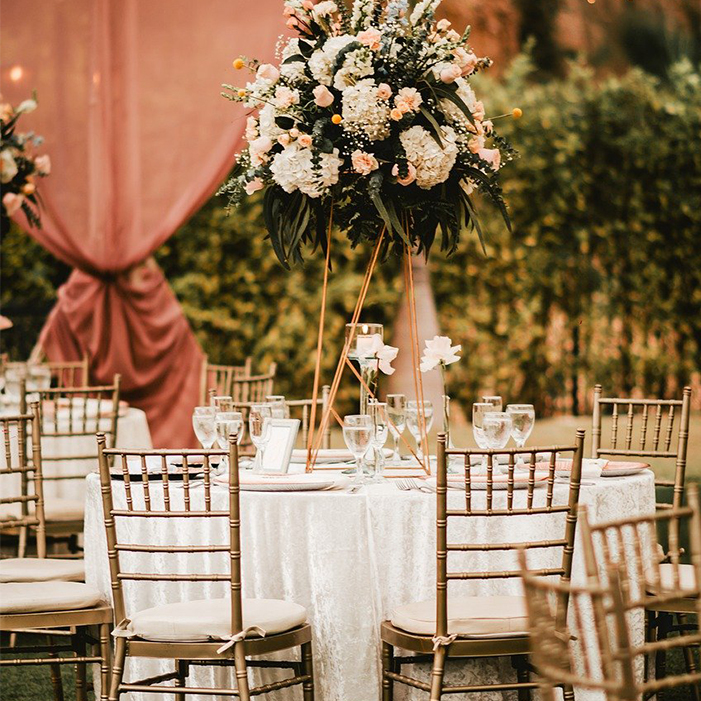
[
  {"x": 466, "y": 60},
  {"x": 288, "y": 11},
  {"x": 396, "y": 114},
  {"x": 43, "y": 164},
  {"x": 305, "y": 141},
  {"x": 411, "y": 175},
  {"x": 284, "y": 139},
  {"x": 371, "y": 38},
  {"x": 408, "y": 100},
  {"x": 487, "y": 126},
  {"x": 384, "y": 92},
  {"x": 254, "y": 186},
  {"x": 285, "y": 97},
  {"x": 292, "y": 22},
  {"x": 451, "y": 73},
  {"x": 12, "y": 202},
  {"x": 294, "y": 132},
  {"x": 267, "y": 71},
  {"x": 262, "y": 144},
  {"x": 476, "y": 144},
  {"x": 478, "y": 111},
  {"x": 492, "y": 156},
  {"x": 364, "y": 163},
  {"x": 323, "y": 96}
]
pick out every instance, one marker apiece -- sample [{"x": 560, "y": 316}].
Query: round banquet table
[{"x": 349, "y": 558}]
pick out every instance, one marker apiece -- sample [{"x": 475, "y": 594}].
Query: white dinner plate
[
  {"x": 613, "y": 468},
  {"x": 254, "y": 482},
  {"x": 326, "y": 455},
  {"x": 500, "y": 482}
]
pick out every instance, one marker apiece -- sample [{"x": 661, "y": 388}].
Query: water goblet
[
  {"x": 227, "y": 423},
  {"x": 259, "y": 418},
  {"x": 415, "y": 410},
  {"x": 396, "y": 411},
  {"x": 357, "y": 433},
  {"x": 497, "y": 429},
  {"x": 279, "y": 406},
  {"x": 495, "y": 401},
  {"x": 380, "y": 422},
  {"x": 222, "y": 403},
  {"x": 522, "y": 422},
  {"x": 203, "y": 424},
  {"x": 479, "y": 409}
]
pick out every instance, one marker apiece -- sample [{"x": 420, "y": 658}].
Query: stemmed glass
[
  {"x": 259, "y": 425},
  {"x": 396, "y": 411},
  {"x": 479, "y": 409},
  {"x": 222, "y": 402},
  {"x": 494, "y": 401},
  {"x": 522, "y": 422},
  {"x": 380, "y": 423},
  {"x": 357, "y": 433},
  {"x": 279, "y": 406},
  {"x": 414, "y": 421},
  {"x": 226, "y": 423},
  {"x": 497, "y": 429},
  {"x": 203, "y": 423}
]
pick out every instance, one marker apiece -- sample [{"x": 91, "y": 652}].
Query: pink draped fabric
[{"x": 139, "y": 137}]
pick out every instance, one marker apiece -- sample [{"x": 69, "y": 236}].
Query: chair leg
[
  {"x": 81, "y": 693},
  {"x": 241, "y": 672},
  {"x": 106, "y": 661},
  {"x": 56, "y": 681},
  {"x": 120, "y": 653},
  {"x": 520, "y": 664},
  {"x": 308, "y": 668},
  {"x": 387, "y": 666},
  {"x": 689, "y": 660},
  {"x": 663, "y": 624},
  {"x": 437, "y": 673},
  {"x": 182, "y": 670},
  {"x": 567, "y": 693}
]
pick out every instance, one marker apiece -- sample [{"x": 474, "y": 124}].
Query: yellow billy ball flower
[
  {"x": 242, "y": 92},
  {"x": 517, "y": 113},
  {"x": 238, "y": 63},
  {"x": 337, "y": 119},
  {"x": 28, "y": 188}
]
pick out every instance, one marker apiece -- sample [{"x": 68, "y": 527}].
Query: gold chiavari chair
[
  {"x": 484, "y": 626},
  {"x": 39, "y": 595},
  {"x": 253, "y": 388},
  {"x": 660, "y": 585},
  {"x": 220, "y": 377},
  {"x": 656, "y": 439},
  {"x": 69, "y": 373},
  {"x": 594, "y": 658},
  {"x": 213, "y": 631},
  {"x": 73, "y": 413}
]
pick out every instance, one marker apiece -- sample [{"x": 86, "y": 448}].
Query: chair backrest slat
[
  {"x": 220, "y": 378},
  {"x": 157, "y": 496}
]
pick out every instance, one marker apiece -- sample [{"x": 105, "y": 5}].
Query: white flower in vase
[
  {"x": 439, "y": 351},
  {"x": 384, "y": 354}
]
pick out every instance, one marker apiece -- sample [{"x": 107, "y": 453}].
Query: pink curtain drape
[{"x": 139, "y": 138}]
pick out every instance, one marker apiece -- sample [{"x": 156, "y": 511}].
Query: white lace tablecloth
[{"x": 349, "y": 559}]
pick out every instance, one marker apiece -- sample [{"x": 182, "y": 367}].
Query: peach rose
[
  {"x": 396, "y": 114},
  {"x": 288, "y": 11},
  {"x": 384, "y": 92},
  {"x": 476, "y": 144},
  {"x": 451, "y": 73},
  {"x": 254, "y": 186},
  {"x": 487, "y": 126},
  {"x": 305, "y": 141},
  {"x": 292, "y": 22},
  {"x": 478, "y": 111},
  {"x": 408, "y": 100},
  {"x": 285, "y": 97},
  {"x": 492, "y": 156},
  {"x": 267, "y": 71},
  {"x": 371, "y": 38},
  {"x": 411, "y": 175},
  {"x": 43, "y": 164},
  {"x": 323, "y": 96},
  {"x": 294, "y": 132},
  {"x": 284, "y": 139},
  {"x": 262, "y": 144},
  {"x": 364, "y": 163},
  {"x": 465, "y": 59},
  {"x": 12, "y": 202}
]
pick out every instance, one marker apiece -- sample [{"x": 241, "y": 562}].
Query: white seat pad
[
  {"x": 687, "y": 578},
  {"x": 60, "y": 509},
  {"x": 210, "y": 619},
  {"x": 33, "y": 569},
  {"x": 467, "y": 615},
  {"x": 30, "y": 597}
]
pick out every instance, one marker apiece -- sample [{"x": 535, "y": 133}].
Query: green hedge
[{"x": 600, "y": 280}]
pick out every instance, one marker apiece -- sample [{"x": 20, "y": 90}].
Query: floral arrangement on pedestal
[
  {"x": 19, "y": 166},
  {"x": 369, "y": 121}
]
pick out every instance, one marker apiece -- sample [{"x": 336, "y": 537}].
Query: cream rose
[
  {"x": 323, "y": 96},
  {"x": 364, "y": 163}
]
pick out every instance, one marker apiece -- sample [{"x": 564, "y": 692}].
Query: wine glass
[
  {"x": 203, "y": 423},
  {"x": 396, "y": 411},
  {"x": 357, "y": 433},
  {"x": 380, "y": 423},
  {"x": 279, "y": 406},
  {"x": 226, "y": 423},
  {"x": 497, "y": 429},
  {"x": 39, "y": 376},
  {"x": 414, "y": 412},
  {"x": 479, "y": 409},
  {"x": 259, "y": 425},
  {"x": 522, "y": 422},
  {"x": 495, "y": 402},
  {"x": 222, "y": 403}
]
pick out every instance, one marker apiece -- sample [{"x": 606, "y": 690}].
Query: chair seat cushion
[
  {"x": 32, "y": 569},
  {"x": 687, "y": 578},
  {"x": 30, "y": 597},
  {"x": 467, "y": 615},
  {"x": 210, "y": 619},
  {"x": 60, "y": 509}
]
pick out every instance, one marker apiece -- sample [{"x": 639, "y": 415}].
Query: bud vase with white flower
[{"x": 440, "y": 352}]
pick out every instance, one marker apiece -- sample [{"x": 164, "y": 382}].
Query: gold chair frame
[
  {"x": 200, "y": 653},
  {"x": 220, "y": 377},
  {"x": 642, "y": 579},
  {"x": 648, "y": 444},
  {"x": 73, "y": 624},
  {"x": 440, "y": 646},
  {"x": 66, "y": 373}
]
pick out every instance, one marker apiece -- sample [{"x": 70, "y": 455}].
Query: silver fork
[{"x": 409, "y": 484}]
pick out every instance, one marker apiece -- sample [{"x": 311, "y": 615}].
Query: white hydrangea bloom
[
  {"x": 293, "y": 169},
  {"x": 363, "y": 111},
  {"x": 356, "y": 65},
  {"x": 8, "y": 166},
  {"x": 294, "y": 72},
  {"x": 452, "y": 112},
  {"x": 322, "y": 60},
  {"x": 361, "y": 18},
  {"x": 266, "y": 123},
  {"x": 433, "y": 163},
  {"x": 260, "y": 89}
]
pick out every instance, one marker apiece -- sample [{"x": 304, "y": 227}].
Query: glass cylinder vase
[{"x": 368, "y": 371}]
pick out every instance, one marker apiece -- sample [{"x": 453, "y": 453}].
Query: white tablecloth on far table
[{"x": 349, "y": 558}]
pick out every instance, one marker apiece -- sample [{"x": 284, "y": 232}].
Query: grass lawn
[{"x": 33, "y": 683}]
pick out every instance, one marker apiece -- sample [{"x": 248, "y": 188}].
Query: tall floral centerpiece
[
  {"x": 368, "y": 123},
  {"x": 20, "y": 166}
]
